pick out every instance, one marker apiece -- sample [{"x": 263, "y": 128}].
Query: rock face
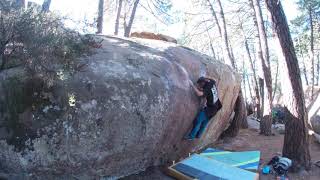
[
  {"x": 315, "y": 122},
  {"x": 149, "y": 35},
  {"x": 127, "y": 110}
]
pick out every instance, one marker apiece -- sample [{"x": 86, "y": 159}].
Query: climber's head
[{"x": 201, "y": 82}]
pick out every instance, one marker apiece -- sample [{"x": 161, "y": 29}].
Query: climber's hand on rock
[{"x": 191, "y": 83}]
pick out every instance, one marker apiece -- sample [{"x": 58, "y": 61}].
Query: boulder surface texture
[
  {"x": 127, "y": 110},
  {"x": 315, "y": 122}
]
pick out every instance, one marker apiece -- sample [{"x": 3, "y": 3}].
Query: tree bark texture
[
  {"x": 303, "y": 63},
  {"x": 225, "y": 36},
  {"x": 311, "y": 51},
  {"x": 261, "y": 91},
  {"x": 210, "y": 43},
  {"x": 116, "y": 28},
  {"x": 243, "y": 112},
  {"x": 127, "y": 29},
  {"x": 266, "y": 119},
  {"x": 318, "y": 70},
  {"x": 257, "y": 102},
  {"x": 100, "y": 17},
  {"x": 263, "y": 54},
  {"x": 244, "y": 79},
  {"x": 249, "y": 86},
  {"x": 256, "y": 89},
  {"x": 296, "y": 140},
  {"x": 214, "y": 14},
  {"x": 266, "y": 125},
  {"x": 262, "y": 32},
  {"x": 46, "y": 6},
  {"x": 276, "y": 82}
]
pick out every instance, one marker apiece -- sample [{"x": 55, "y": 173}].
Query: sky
[{"x": 78, "y": 10}]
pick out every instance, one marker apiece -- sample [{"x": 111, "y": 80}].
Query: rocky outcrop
[
  {"x": 149, "y": 35},
  {"x": 127, "y": 110}
]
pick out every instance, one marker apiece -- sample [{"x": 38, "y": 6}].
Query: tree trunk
[
  {"x": 262, "y": 32},
  {"x": 318, "y": 70},
  {"x": 46, "y": 6},
  {"x": 116, "y": 28},
  {"x": 263, "y": 52},
  {"x": 100, "y": 17},
  {"x": 254, "y": 73},
  {"x": 266, "y": 119},
  {"x": 243, "y": 112},
  {"x": 249, "y": 86},
  {"x": 210, "y": 43},
  {"x": 238, "y": 119},
  {"x": 225, "y": 37},
  {"x": 261, "y": 91},
  {"x": 303, "y": 63},
  {"x": 231, "y": 52},
  {"x": 276, "y": 81},
  {"x": 311, "y": 51},
  {"x": 305, "y": 71},
  {"x": 257, "y": 102},
  {"x": 296, "y": 140},
  {"x": 127, "y": 29},
  {"x": 212, "y": 50},
  {"x": 266, "y": 125},
  {"x": 244, "y": 79},
  {"x": 214, "y": 14},
  {"x": 259, "y": 52}
]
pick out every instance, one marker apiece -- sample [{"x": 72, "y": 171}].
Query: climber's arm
[{"x": 198, "y": 92}]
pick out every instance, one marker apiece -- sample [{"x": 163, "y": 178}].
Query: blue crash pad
[
  {"x": 245, "y": 160},
  {"x": 203, "y": 168}
]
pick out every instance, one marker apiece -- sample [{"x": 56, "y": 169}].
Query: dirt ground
[{"x": 249, "y": 139}]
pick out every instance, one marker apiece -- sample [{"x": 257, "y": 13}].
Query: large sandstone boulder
[{"x": 127, "y": 110}]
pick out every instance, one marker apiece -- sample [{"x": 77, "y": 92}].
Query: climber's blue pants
[{"x": 199, "y": 125}]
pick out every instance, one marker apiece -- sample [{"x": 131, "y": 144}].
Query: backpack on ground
[{"x": 280, "y": 165}]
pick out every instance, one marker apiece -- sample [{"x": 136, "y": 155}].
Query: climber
[{"x": 205, "y": 88}]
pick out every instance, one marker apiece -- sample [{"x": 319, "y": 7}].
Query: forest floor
[{"x": 249, "y": 139}]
